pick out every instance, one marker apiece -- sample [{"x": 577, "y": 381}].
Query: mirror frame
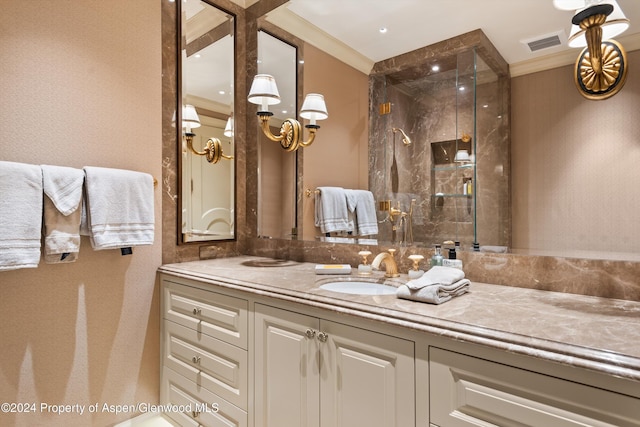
[
  {"x": 291, "y": 42},
  {"x": 179, "y": 137}
]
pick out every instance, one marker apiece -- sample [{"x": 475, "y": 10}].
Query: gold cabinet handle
[
  {"x": 195, "y": 359},
  {"x": 322, "y": 337},
  {"x": 195, "y": 414},
  {"x": 196, "y": 311},
  {"x": 310, "y": 333}
]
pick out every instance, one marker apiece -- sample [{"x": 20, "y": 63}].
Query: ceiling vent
[{"x": 546, "y": 41}]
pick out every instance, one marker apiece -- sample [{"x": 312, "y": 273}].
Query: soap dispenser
[
  {"x": 437, "y": 258},
  {"x": 364, "y": 268},
  {"x": 415, "y": 271}
]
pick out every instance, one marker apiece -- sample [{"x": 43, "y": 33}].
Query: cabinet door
[
  {"x": 367, "y": 378},
  {"x": 286, "y": 369}
]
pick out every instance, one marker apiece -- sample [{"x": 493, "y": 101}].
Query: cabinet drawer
[
  {"x": 213, "y": 364},
  {"x": 214, "y": 314},
  {"x": 467, "y": 391},
  {"x": 192, "y": 405}
]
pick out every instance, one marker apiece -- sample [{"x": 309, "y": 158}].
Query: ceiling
[{"x": 412, "y": 24}]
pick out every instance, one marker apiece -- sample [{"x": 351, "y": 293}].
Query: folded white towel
[
  {"x": 62, "y": 213},
  {"x": 119, "y": 207},
  {"x": 331, "y": 212},
  {"x": 437, "y": 275},
  {"x": 363, "y": 205},
  {"x": 20, "y": 215},
  {"x": 435, "y": 293}
]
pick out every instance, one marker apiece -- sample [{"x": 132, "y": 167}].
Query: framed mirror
[
  {"x": 206, "y": 106},
  {"x": 277, "y": 170}
]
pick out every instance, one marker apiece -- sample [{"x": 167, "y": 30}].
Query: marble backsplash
[{"x": 603, "y": 278}]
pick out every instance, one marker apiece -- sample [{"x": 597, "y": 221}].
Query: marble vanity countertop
[{"x": 590, "y": 332}]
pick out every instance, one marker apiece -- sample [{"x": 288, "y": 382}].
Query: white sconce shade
[
  {"x": 264, "y": 91},
  {"x": 228, "y": 129},
  {"x": 616, "y": 24},
  {"x": 462, "y": 156},
  {"x": 569, "y": 4},
  {"x": 314, "y": 108},
  {"x": 190, "y": 117}
]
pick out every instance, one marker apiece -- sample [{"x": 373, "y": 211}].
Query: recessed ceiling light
[
  {"x": 197, "y": 55},
  {"x": 383, "y": 30},
  {"x": 435, "y": 68},
  {"x": 221, "y": 92},
  {"x": 461, "y": 88},
  {"x": 485, "y": 106}
]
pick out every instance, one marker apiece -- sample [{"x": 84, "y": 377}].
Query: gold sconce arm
[
  {"x": 290, "y": 137},
  {"x": 601, "y": 69},
  {"x": 212, "y": 150}
]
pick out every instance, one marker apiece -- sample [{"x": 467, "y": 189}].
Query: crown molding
[
  {"x": 566, "y": 57},
  {"x": 309, "y": 33}
]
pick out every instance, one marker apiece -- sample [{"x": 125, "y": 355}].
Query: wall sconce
[
  {"x": 264, "y": 92},
  {"x": 601, "y": 68},
  {"x": 462, "y": 156},
  {"x": 228, "y": 128},
  {"x": 213, "y": 148}
]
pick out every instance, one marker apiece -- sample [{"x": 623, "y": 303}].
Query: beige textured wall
[
  {"x": 80, "y": 85},
  {"x": 575, "y": 165},
  {"x": 339, "y": 154}
]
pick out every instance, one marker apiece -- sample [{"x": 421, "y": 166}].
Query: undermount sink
[{"x": 358, "y": 287}]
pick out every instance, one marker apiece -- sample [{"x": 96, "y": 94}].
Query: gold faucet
[{"x": 390, "y": 266}]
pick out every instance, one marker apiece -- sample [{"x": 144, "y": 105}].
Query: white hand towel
[
  {"x": 62, "y": 213},
  {"x": 437, "y": 275},
  {"x": 20, "y": 215},
  {"x": 363, "y": 205},
  {"x": 435, "y": 293},
  {"x": 331, "y": 212},
  {"x": 119, "y": 207}
]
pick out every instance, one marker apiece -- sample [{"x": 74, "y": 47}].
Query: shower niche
[
  {"x": 452, "y": 100},
  {"x": 452, "y": 181}
]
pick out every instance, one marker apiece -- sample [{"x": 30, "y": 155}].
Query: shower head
[{"x": 405, "y": 139}]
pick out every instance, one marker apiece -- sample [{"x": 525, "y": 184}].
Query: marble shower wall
[{"x": 465, "y": 97}]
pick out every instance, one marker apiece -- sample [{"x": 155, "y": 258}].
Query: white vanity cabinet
[
  {"x": 315, "y": 372},
  {"x": 468, "y": 391},
  {"x": 204, "y": 356},
  {"x": 240, "y": 353}
]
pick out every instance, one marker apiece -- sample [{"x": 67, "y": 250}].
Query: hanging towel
[
  {"x": 119, "y": 207},
  {"x": 62, "y": 213},
  {"x": 363, "y": 206},
  {"x": 434, "y": 293},
  {"x": 20, "y": 215},
  {"x": 331, "y": 212}
]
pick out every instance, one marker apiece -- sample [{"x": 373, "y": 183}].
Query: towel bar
[{"x": 308, "y": 192}]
